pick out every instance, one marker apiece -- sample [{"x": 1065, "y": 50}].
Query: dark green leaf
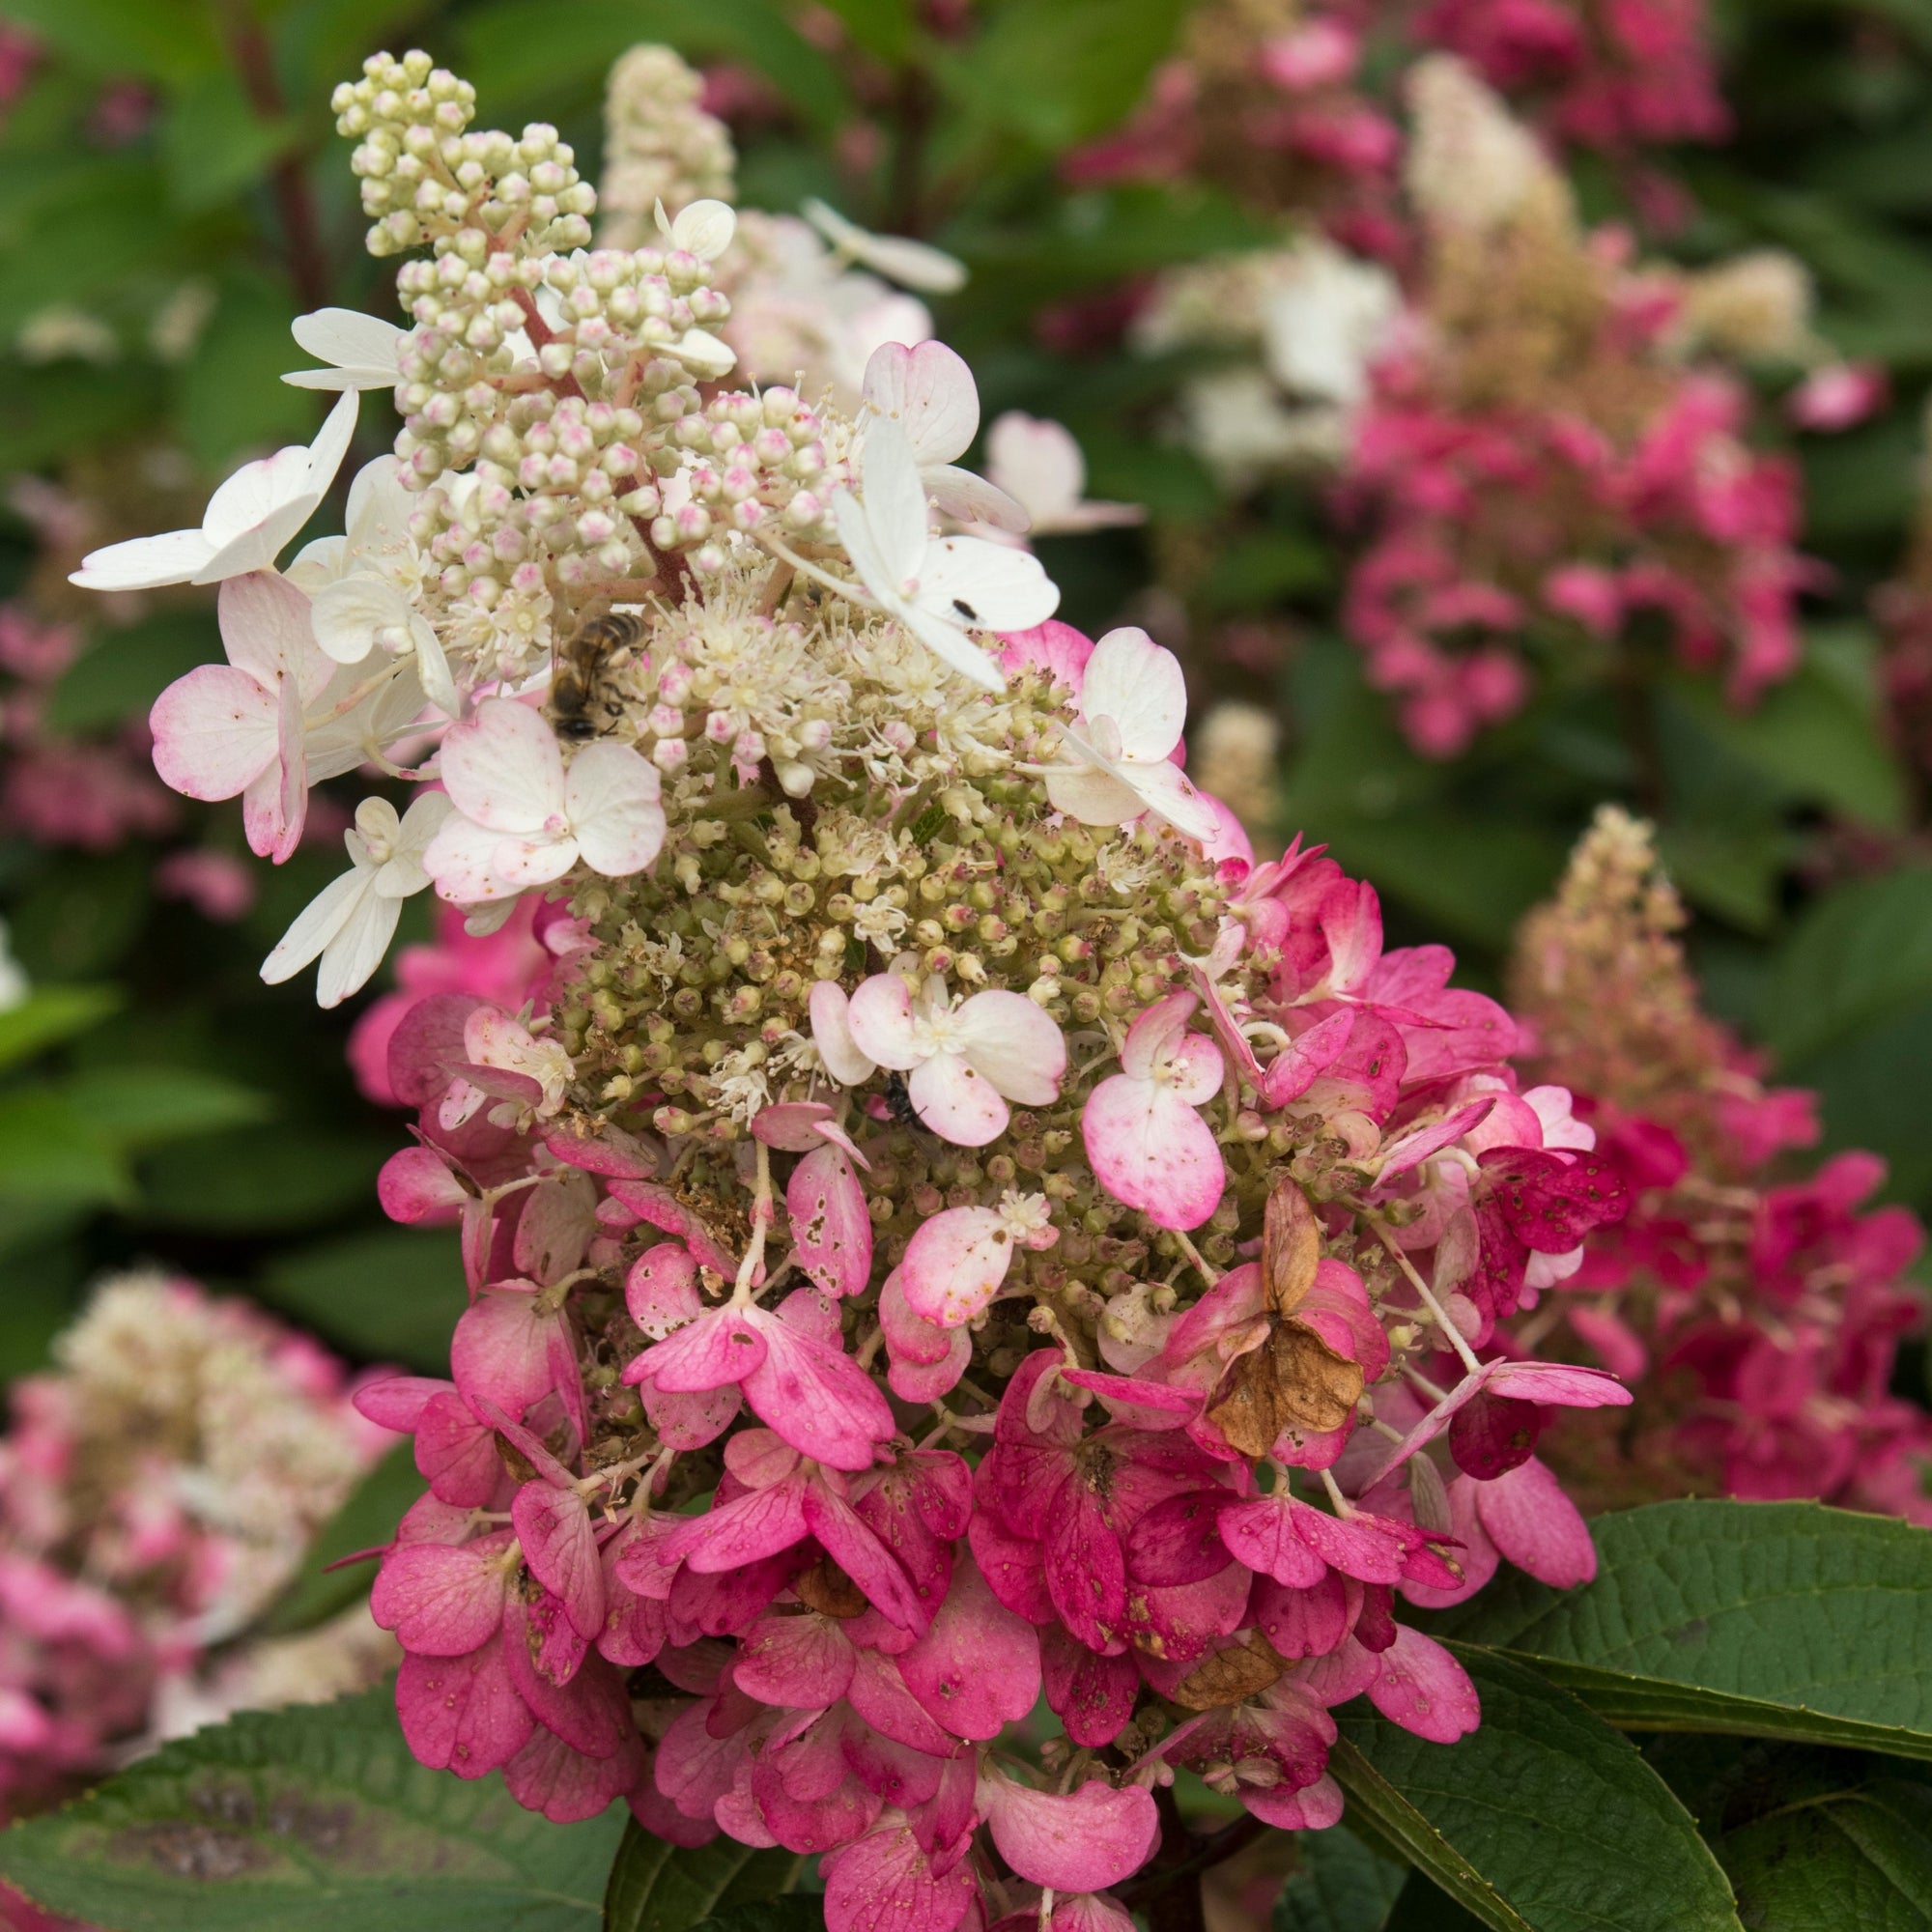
[
  {"x": 123, "y": 672},
  {"x": 308, "y": 1820},
  {"x": 51, "y": 1015},
  {"x": 392, "y": 1294},
  {"x": 1781, "y": 1620},
  {"x": 79, "y": 917},
  {"x": 289, "y": 1179},
  {"x": 1423, "y": 1907},
  {"x": 655, "y": 1887},
  {"x": 789, "y": 1911},
  {"x": 215, "y": 145},
  {"x": 233, "y": 402},
  {"x": 1858, "y": 954},
  {"x": 1543, "y": 1820},
  {"x": 1338, "y": 1885},
  {"x": 171, "y": 40},
  {"x": 882, "y": 27},
  {"x": 367, "y": 1519}
]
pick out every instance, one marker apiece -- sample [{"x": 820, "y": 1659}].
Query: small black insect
[
  {"x": 899, "y": 1102},
  {"x": 966, "y": 609}
]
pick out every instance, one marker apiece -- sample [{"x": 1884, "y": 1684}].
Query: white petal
[
  {"x": 704, "y": 354},
  {"x": 320, "y": 560},
  {"x": 380, "y": 508},
  {"x": 910, "y": 264},
  {"x": 879, "y": 1019},
  {"x": 1137, "y": 684},
  {"x": 439, "y": 683},
  {"x": 532, "y": 862},
  {"x": 352, "y": 955},
  {"x": 704, "y": 229},
  {"x": 611, "y": 796},
  {"x": 895, "y": 503},
  {"x": 144, "y": 564},
  {"x": 459, "y": 860},
  {"x": 929, "y": 392},
  {"x": 258, "y": 547},
  {"x": 253, "y": 493},
  {"x": 1014, "y": 1045},
  {"x": 504, "y": 769},
  {"x": 1168, "y": 790},
  {"x": 832, "y": 1034},
  {"x": 267, "y": 631},
  {"x": 985, "y": 587},
  {"x": 348, "y": 613},
  {"x": 331, "y": 444},
  {"x": 972, "y": 499},
  {"x": 316, "y": 924},
  {"x": 1093, "y": 796},
  {"x": 349, "y": 339}
]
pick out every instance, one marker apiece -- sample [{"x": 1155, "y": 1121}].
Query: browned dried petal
[
  {"x": 1229, "y": 1675},
  {"x": 1291, "y": 1248},
  {"x": 827, "y": 1589},
  {"x": 1296, "y": 1381}
]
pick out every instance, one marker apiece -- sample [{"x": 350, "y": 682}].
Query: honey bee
[{"x": 582, "y": 701}]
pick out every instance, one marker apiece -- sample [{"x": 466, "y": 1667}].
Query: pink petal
[
  {"x": 1011, "y": 1043},
  {"x": 830, "y": 1225},
  {"x": 884, "y": 1883},
  {"x": 977, "y": 1669},
  {"x": 1263, "y": 1533},
  {"x": 832, "y": 1034},
  {"x": 564, "y": 1785},
  {"x": 792, "y": 1125},
  {"x": 1176, "y": 1541},
  {"x": 954, "y": 1264},
  {"x": 879, "y": 1021},
  {"x": 397, "y": 1401},
  {"x": 817, "y": 1398},
  {"x": 650, "y": 1201},
  {"x": 1293, "y": 1070},
  {"x": 1152, "y": 1151},
  {"x": 501, "y": 1350},
  {"x": 1532, "y": 1522},
  {"x": 216, "y": 730},
  {"x": 661, "y": 1289},
  {"x": 457, "y": 1453},
  {"x": 611, "y": 800},
  {"x": 1092, "y": 1695},
  {"x": 1082, "y": 1841},
  {"x": 853, "y": 1547},
  {"x": 608, "y": 1151},
  {"x": 1309, "y": 1620},
  {"x": 1553, "y": 1383},
  {"x": 690, "y": 1421},
  {"x": 721, "y": 1346},
  {"x": 751, "y": 1526},
  {"x": 417, "y": 1184},
  {"x": 955, "y": 1102},
  {"x": 504, "y": 769},
  {"x": 1314, "y": 1808},
  {"x": 1411, "y": 1150},
  {"x": 463, "y": 1714},
  {"x": 1424, "y": 1690},
  {"x": 805, "y": 1661},
  {"x": 1014, "y": 1567},
  {"x": 1086, "y": 1569},
  {"x": 634, "y": 1624},
  {"x": 441, "y": 1601},
  {"x": 560, "y": 1547},
  {"x": 1154, "y": 1034},
  {"x": 556, "y": 1225}
]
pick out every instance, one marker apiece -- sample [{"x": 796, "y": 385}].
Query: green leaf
[
  {"x": 51, "y": 1153},
  {"x": 169, "y": 40},
  {"x": 133, "y": 1108},
  {"x": 525, "y": 55},
  {"x": 1858, "y": 955},
  {"x": 51, "y": 1015},
  {"x": 79, "y": 917},
  {"x": 655, "y": 1887},
  {"x": 213, "y": 145},
  {"x": 1057, "y": 75},
  {"x": 1338, "y": 1885},
  {"x": 233, "y": 401},
  {"x": 789, "y": 1911},
  {"x": 394, "y": 1294},
  {"x": 884, "y": 28},
  {"x": 1779, "y": 1620},
  {"x": 368, "y": 1518},
  {"x": 1543, "y": 1820},
  {"x": 241, "y": 1180},
  {"x": 1859, "y": 1858},
  {"x": 122, "y": 672},
  {"x": 309, "y": 1820}
]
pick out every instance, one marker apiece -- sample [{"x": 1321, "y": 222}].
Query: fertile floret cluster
[
  {"x": 947, "y": 1227},
  {"x": 158, "y": 1487}
]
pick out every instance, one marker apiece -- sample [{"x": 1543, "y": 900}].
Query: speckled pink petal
[
  {"x": 805, "y": 1661},
  {"x": 1313, "y": 1808},
  {"x": 564, "y": 1785},
  {"x": 878, "y": 1019},
  {"x": 1083, "y": 1840},
  {"x": 958, "y": 1104},
  {"x": 1262, "y": 1533},
  {"x": 817, "y": 1398},
  {"x": 832, "y": 1034},
  {"x": 661, "y": 1289},
  {"x": 954, "y": 1264},
  {"x": 690, "y": 1421},
  {"x": 758, "y": 1524},
  {"x": 884, "y": 1883},
  {"x": 501, "y": 1350},
  {"x": 928, "y": 1381},
  {"x": 721, "y": 1346},
  {"x": 1150, "y": 1151},
  {"x": 561, "y": 1547},
  {"x": 463, "y": 1714},
  {"x": 1424, "y": 1690},
  {"x": 1309, "y": 1620},
  {"x": 1532, "y": 1522},
  {"x": 830, "y": 1227},
  {"x": 441, "y": 1599},
  {"x": 853, "y": 1547},
  {"x": 1092, "y": 1695},
  {"x": 457, "y": 1453},
  {"x": 978, "y": 1668}
]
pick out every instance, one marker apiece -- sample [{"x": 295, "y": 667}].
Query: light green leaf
[
  {"x": 215, "y": 145},
  {"x": 1543, "y": 1820},
  {"x": 368, "y": 1518},
  {"x": 51, "y": 1015},
  {"x": 655, "y": 1887},
  {"x": 232, "y": 401},
  {"x": 170, "y": 41},
  {"x": 123, "y": 671},
  {"x": 51, "y": 1153},
  {"x": 133, "y": 1108},
  {"x": 1779, "y": 1620},
  {"x": 308, "y": 1820},
  {"x": 1338, "y": 1885}
]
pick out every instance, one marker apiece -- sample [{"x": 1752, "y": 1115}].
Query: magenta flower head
[{"x": 943, "y": 1229}]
